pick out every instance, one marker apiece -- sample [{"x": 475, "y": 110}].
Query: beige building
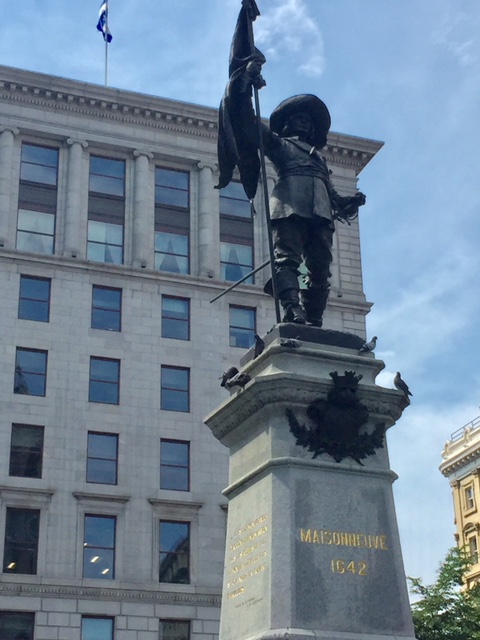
[
  {"x": 113, "y": 242},
  {"x": 462, "y": 467}
]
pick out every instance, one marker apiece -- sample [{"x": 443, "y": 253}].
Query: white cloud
[
  {"x": 287, "y": 30},
  {"x": 454, "y": 34}
]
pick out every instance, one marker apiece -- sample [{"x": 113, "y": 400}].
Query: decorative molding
[
  {"x": 141, "y": 152},
  {"x": 82, "y": 496},
  {"x": 108, "y": 595},
  {"x": 207, "y": 165},
  {"x": 159, "y": 502},
  {"x": 267, "y": 466},
  {"x": 60, "y": 94},
  {"x": 13, "y": 130},
  {"x": 72, "y": 141}
]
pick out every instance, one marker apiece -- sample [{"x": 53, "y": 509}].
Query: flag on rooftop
[{"x": 102, "y": 24}]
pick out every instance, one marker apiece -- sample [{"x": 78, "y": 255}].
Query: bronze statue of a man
[{"x": 303, "y": 204}]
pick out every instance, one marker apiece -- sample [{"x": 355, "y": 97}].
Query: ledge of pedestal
[{"x": 292, "y": 377}]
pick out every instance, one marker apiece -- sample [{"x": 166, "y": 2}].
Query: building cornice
[
  {"x": 53, "y": 93},
  {"x": 458, "y": 455}
]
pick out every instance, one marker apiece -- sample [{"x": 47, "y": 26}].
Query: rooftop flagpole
[
  {"x": 102, "y": 26},
  {"x": 105, "y": 37}
]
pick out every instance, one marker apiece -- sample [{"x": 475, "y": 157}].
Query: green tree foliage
[{"x": 445, "y": 611}]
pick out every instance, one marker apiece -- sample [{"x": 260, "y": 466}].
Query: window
[
  {"x": 236, "y": 260},
  {"x": 106, "y": 210},
  {"x": 175, "y": 318},
  {"x": 17, "y": 625},
  {"x": 174, "y": 552},
  {"x": 171, "y": 188},
  {"x": 99, "y": 547},
  {"x": 174, "y": 465},
  {"x": 236, "y": 233},
  {"x": 21, "y": 541},
  {"x": 469, "y": 497},
  {"x": 174, "y": 630},
  {"x": 94, "y": 628},
  {"x": 106, "y": 308},
  {"x": 242, "y": 326},
  {"x": 172, "y": 220},
  {"x": 234, "y": 202},
  {"x": 175, "y": 389},
  {"x": 102, "y": 456},
  {"x": 30, "y": 372},
  {"x": 472, "y": 543},
  {"x": 26, "y": 451},
  {"x": 34, "y": 299},
  {"x": 37, "y": 199},
  {"x": 104, "y": 380}
]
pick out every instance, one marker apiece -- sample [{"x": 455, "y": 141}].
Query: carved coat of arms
[{"x": 335, "y": 423}]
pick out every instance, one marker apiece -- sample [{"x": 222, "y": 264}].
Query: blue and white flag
[{"x": 102, "y": 24}]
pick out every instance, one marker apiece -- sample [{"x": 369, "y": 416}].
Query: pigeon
[
  {"x": 239, "y": 380},
  {"x": 368, "y": 347},
  {"x": 228, "y": 375},
  {"x": 401, "y": 385},
  {"x": 290, "y": 343},
  {"x": 259, "y": 346}
]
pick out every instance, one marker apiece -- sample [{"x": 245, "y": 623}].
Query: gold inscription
[
  {"x": 344, "y": 539},
  {"x": 247, "y": 557},
  {"x": 358, "y": 568}
]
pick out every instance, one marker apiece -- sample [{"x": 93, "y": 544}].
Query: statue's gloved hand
[{"x": 254, "y": 72}]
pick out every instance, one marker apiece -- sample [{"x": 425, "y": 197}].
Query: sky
[{"x": 405, "y": 72}]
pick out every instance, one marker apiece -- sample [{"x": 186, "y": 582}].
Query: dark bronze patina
[
  {"x": 304, "y": 204},
  {"x": 336, "y": 423}
]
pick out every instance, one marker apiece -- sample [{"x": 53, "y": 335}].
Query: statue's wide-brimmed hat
[{"x": 306, "y": 102}]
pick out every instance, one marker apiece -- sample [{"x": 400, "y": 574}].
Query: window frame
[
  {"x": 39, "y": 455},
  {"x": 91, "y": 457},
  {"x": 7, "y": 569},
  {"x": 107, "y": 209},
  {"x": 176, "y": 554},
  {"x": 112, "y": 549},
  {"x": 166, "y": 389},
  {"x": 163, "y": 636},
  {"x": 230, "y": 198},
  {"x": 167, "y": 205},
  {"x": 171, "y": 319},
  {"x": 233, "y": 327},
  {"x": 23, "y": 278},
  {"x": 97, "y": 307},
  {"x": 37, "y": 197},
  {"x": 4, "y": 613},
  {"x": 469, "y": 501},
  {"x": 104, "y": 381},
  {"x": 30, "y": 373},
  {"x": 164, "y": 465},
  {"x": 97, "y": 617}
]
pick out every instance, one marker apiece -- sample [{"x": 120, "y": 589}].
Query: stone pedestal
[{"x": 312, "y": 544}]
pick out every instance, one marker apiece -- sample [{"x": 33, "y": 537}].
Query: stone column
[
  {"x": 7, "y": 135},
  {"x": 312, "y": 549},
  {"x": 208, "y": 223},
  {"x": 143, "y": 212},
  {"x": 72, "y": 247}
]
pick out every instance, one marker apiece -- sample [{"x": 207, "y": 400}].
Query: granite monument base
[{"x": 312, "y": 541}]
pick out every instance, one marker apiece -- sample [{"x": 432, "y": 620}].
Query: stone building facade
[
  {"x": 461, "y": 465},
  {"x": 113, "y": 242}
]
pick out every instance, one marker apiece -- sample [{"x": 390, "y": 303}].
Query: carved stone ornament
[{"x": 336, "y": 422}]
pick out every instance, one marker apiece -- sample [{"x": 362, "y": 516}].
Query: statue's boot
[
  {"x": 314, "y": 301},
  {"x": 286, "y": 281}
]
